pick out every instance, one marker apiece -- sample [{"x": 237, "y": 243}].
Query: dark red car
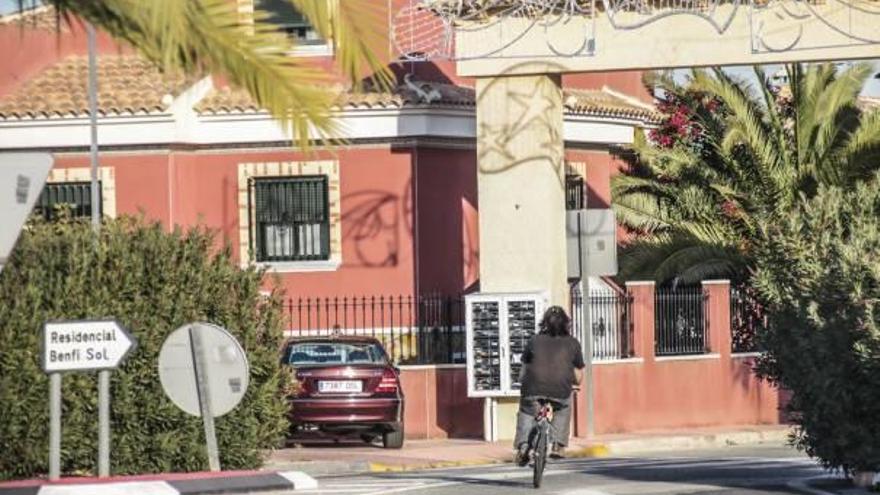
[{"x": 347, "y": 386}]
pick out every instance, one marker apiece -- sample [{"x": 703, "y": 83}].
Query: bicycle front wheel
[{"x": 540, "y": 456}]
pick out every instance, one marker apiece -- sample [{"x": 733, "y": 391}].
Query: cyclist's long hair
[{"x": 556, "y": 322}]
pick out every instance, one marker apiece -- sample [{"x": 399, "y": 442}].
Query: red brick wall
[
  {"x": 448, "y": 235},
  {"x": 201, "y": 188},
  {"x": 437, "y": 405},
  {"x": 642, "y": 394}
]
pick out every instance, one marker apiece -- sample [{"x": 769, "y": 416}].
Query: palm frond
[
  {"x": 641, "y": 212},
  {"x": 745, "y": 116},
  {"x": 202, "y": 37},
  {"x": 208, "y": 37},
  {"x": 695, "y": 257},
  {"x": 835, "y": 116},
  {"x": 861, "y": 157},
  {"x": 771, "y": 108},
  {"x": 358, "y": 32}
]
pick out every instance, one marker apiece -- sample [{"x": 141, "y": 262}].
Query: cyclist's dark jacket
[{"x": 550, "y": 363}]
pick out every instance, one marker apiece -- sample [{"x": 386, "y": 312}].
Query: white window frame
[
  {"x": 106, "y": 175},
  {"x": 247, "y": 220}
]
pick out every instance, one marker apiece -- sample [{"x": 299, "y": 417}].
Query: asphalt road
[{"x": 734, "y": 470}]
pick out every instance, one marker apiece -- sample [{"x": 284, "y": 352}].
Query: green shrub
[
  {"x": 820, "y": 275},
  {"x": 152, "y": 281}
]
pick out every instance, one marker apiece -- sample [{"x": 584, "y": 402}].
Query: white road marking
[
  {"x": 300, "y": 480},
  {"x": 122, "y": 488},
  {"x": 399, "y": 483}
]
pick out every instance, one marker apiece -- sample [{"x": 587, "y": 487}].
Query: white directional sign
[
  {"x": 84, "y": 345},
  {"x": 22, "y": 176}
]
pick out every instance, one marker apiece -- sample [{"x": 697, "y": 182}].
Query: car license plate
[{"x": 340, "y": 386}]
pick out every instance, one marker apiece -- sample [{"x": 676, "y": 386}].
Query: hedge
[
  {"x": 152, "y": 281},
  {"x": 819, "y": 274}
]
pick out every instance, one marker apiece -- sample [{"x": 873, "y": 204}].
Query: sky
[
  {"x": 872, "y": 89},
  {"x": 8, "y": 6}
]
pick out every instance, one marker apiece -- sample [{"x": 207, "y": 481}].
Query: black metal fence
[
  {"x": 414, "y": 330},
  {"x": 747, "y": 320},
  {"x": 611, "y": 322},
  {"x": 681, "y": 322},
  {"x": 574, "y": 192}
]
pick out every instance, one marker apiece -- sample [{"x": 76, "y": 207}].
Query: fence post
[
  {"x": 720, "y": 330},
  {"x": 642, "y": 293},
  {"x": 449, "y": 352}
]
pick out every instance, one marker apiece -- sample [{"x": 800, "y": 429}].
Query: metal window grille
[
  {"x": 291, "y": 219},
  {"x": 681, "y": 321},
  {"x": 76, "y": 196},
  {"x": 574, "y": 192},
  {"x": 611, "y": 321}
]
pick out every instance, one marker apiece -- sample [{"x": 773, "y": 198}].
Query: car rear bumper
[{"x": 346, "y": 411}]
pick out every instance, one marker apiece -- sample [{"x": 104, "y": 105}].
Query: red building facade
[{"x": 394, "y": 212}]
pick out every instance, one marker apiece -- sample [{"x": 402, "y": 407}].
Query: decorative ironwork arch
[{"x": 425, "y": 29}]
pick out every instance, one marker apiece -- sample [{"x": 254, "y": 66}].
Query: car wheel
[{"x": 393, "y": 439}]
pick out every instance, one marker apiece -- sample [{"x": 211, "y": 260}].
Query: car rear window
[{"x": 330, "y": 353}]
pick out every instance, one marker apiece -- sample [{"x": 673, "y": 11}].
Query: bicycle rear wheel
[{"x": 540, "y": 456}]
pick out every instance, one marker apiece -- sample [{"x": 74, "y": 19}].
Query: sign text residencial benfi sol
[{"x": 84, "y": 345}]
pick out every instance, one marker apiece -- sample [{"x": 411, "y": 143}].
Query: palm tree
[
  {"x": 697, "y": 205},
  {"x": 200, "y": 37}
]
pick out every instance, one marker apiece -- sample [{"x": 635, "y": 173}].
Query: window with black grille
[
  {"x": 76, "y": 197},
  {"x": 291, "y": 219},
  {"x": 288, "y": 20},
  {"x": 574, "y": 192}
]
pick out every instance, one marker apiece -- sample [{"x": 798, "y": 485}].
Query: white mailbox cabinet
[{"x": 498, "y": 328}]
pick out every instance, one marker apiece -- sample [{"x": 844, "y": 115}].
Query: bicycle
[{"x": 541, "y": 440}]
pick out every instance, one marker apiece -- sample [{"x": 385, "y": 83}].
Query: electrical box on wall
[
  {"x": 591, "y": 239},
  {"x": 498, "y": 328}
]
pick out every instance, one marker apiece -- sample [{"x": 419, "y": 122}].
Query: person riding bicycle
[{"x": 551, "y": 363}]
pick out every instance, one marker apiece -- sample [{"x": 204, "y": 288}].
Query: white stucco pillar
[{"x": 521, "y": 185}]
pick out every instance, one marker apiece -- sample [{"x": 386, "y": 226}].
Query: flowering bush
[{"x": 681, "y": 123}]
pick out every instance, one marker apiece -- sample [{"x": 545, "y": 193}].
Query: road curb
[
  {"x": 379, "y": 467},
  {"x": 197, "y": 485},
  {"x": 597, "y": 450},
  {"x": 708, "y": 440}
]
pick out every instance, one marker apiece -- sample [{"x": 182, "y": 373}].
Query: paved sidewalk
[{"x": 324, "y": 456}]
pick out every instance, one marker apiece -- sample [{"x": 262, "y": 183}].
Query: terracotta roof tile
[
  {"x": 603, "y": 103},
  {"x": 127, "y": 84},
  {"x": 228, "y": 100},
  {"x": 608, "y": 103},
  {"x": 42, "y": 18}
]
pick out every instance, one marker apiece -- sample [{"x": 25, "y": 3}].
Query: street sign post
[
  {"x": 205, "y": 372},
  {"x": 592, "y": 252},
  {"x": 22, "y": 176},
  {"x": 98, "y": 345}
]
